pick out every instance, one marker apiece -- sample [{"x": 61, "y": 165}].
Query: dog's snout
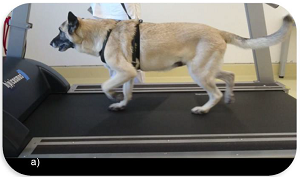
[
  {"x": 55, "y": 41},
  {"x": 53, "y": 44}
]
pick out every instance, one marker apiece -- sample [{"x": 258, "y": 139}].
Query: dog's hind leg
[
  {"x": 203, "y": 70},
  {"x": 228, "y": 78},
  {"x": 208, "y": 84}
]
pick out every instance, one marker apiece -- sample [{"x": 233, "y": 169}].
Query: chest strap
[
  {"x": 136, "y": 48},
  {"x": 101, "y": 53}
]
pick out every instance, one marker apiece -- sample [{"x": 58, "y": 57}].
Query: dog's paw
[
  {"x": 228, "y": 99},
  {"x": 116, "y": 107},
  {"x": 199, "y": 110},
  {"x": 117, "y": 96}
]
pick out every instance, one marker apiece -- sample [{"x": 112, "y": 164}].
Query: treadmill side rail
[
  {"x": 254, "y": 145},
  {"x": 181, "y": 87}
]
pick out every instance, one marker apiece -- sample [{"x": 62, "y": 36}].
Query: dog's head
[{"x": 65, "y": 39}]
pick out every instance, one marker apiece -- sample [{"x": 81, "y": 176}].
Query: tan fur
[{"x": 198, "y": 46}]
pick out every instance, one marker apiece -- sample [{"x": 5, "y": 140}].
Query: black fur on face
[{"x": 61, "y": 42}]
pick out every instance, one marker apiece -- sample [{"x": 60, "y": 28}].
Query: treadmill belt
[{"x": 64, "y": 115}]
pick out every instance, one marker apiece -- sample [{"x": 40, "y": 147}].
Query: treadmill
[{"x": 45, "y": 117}]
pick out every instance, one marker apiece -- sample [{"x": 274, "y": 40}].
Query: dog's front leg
[
  {"x": 127, "y": 91},
  {"x": 120, "y": 78}
]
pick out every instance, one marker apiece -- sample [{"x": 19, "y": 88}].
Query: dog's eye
[{"x": 61, "y": 34}]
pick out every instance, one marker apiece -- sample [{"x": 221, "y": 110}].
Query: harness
[
  {"x": 135, "y": 43},
  {"x": 135, "y": 47}
]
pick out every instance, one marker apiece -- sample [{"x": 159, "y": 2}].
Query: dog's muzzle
[
  {"x": 62, "y": 45},
  {"x": 61, "y": 42}
]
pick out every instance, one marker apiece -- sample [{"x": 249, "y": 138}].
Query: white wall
[{"x": 46, "y": 19}]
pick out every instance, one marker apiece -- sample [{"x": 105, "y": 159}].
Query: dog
[{"x": 162, "y": 47}]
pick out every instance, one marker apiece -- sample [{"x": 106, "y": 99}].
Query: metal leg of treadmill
[
  {"x": 17, "y": 35},
  {"x": 257, "y": 28},
  {"x": 283, "y": 56}
]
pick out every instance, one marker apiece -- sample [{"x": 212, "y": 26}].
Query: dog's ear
[{"x": 73, "y": 23}]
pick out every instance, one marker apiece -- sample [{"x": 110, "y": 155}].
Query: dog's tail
[{"x": 261, "y": 42}]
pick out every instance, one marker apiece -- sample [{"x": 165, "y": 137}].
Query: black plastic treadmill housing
[{"x": 26, "y": 83}]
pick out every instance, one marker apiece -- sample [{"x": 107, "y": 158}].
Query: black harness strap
[
  {"x": 135, "y": 47},
  {"x": 101, "y": 53},
  {"x": 135, "y": 44}
]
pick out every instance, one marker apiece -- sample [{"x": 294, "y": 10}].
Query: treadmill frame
[
  {"x": 237, "y": 139},
  {"x": 181, "y": 87}
]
